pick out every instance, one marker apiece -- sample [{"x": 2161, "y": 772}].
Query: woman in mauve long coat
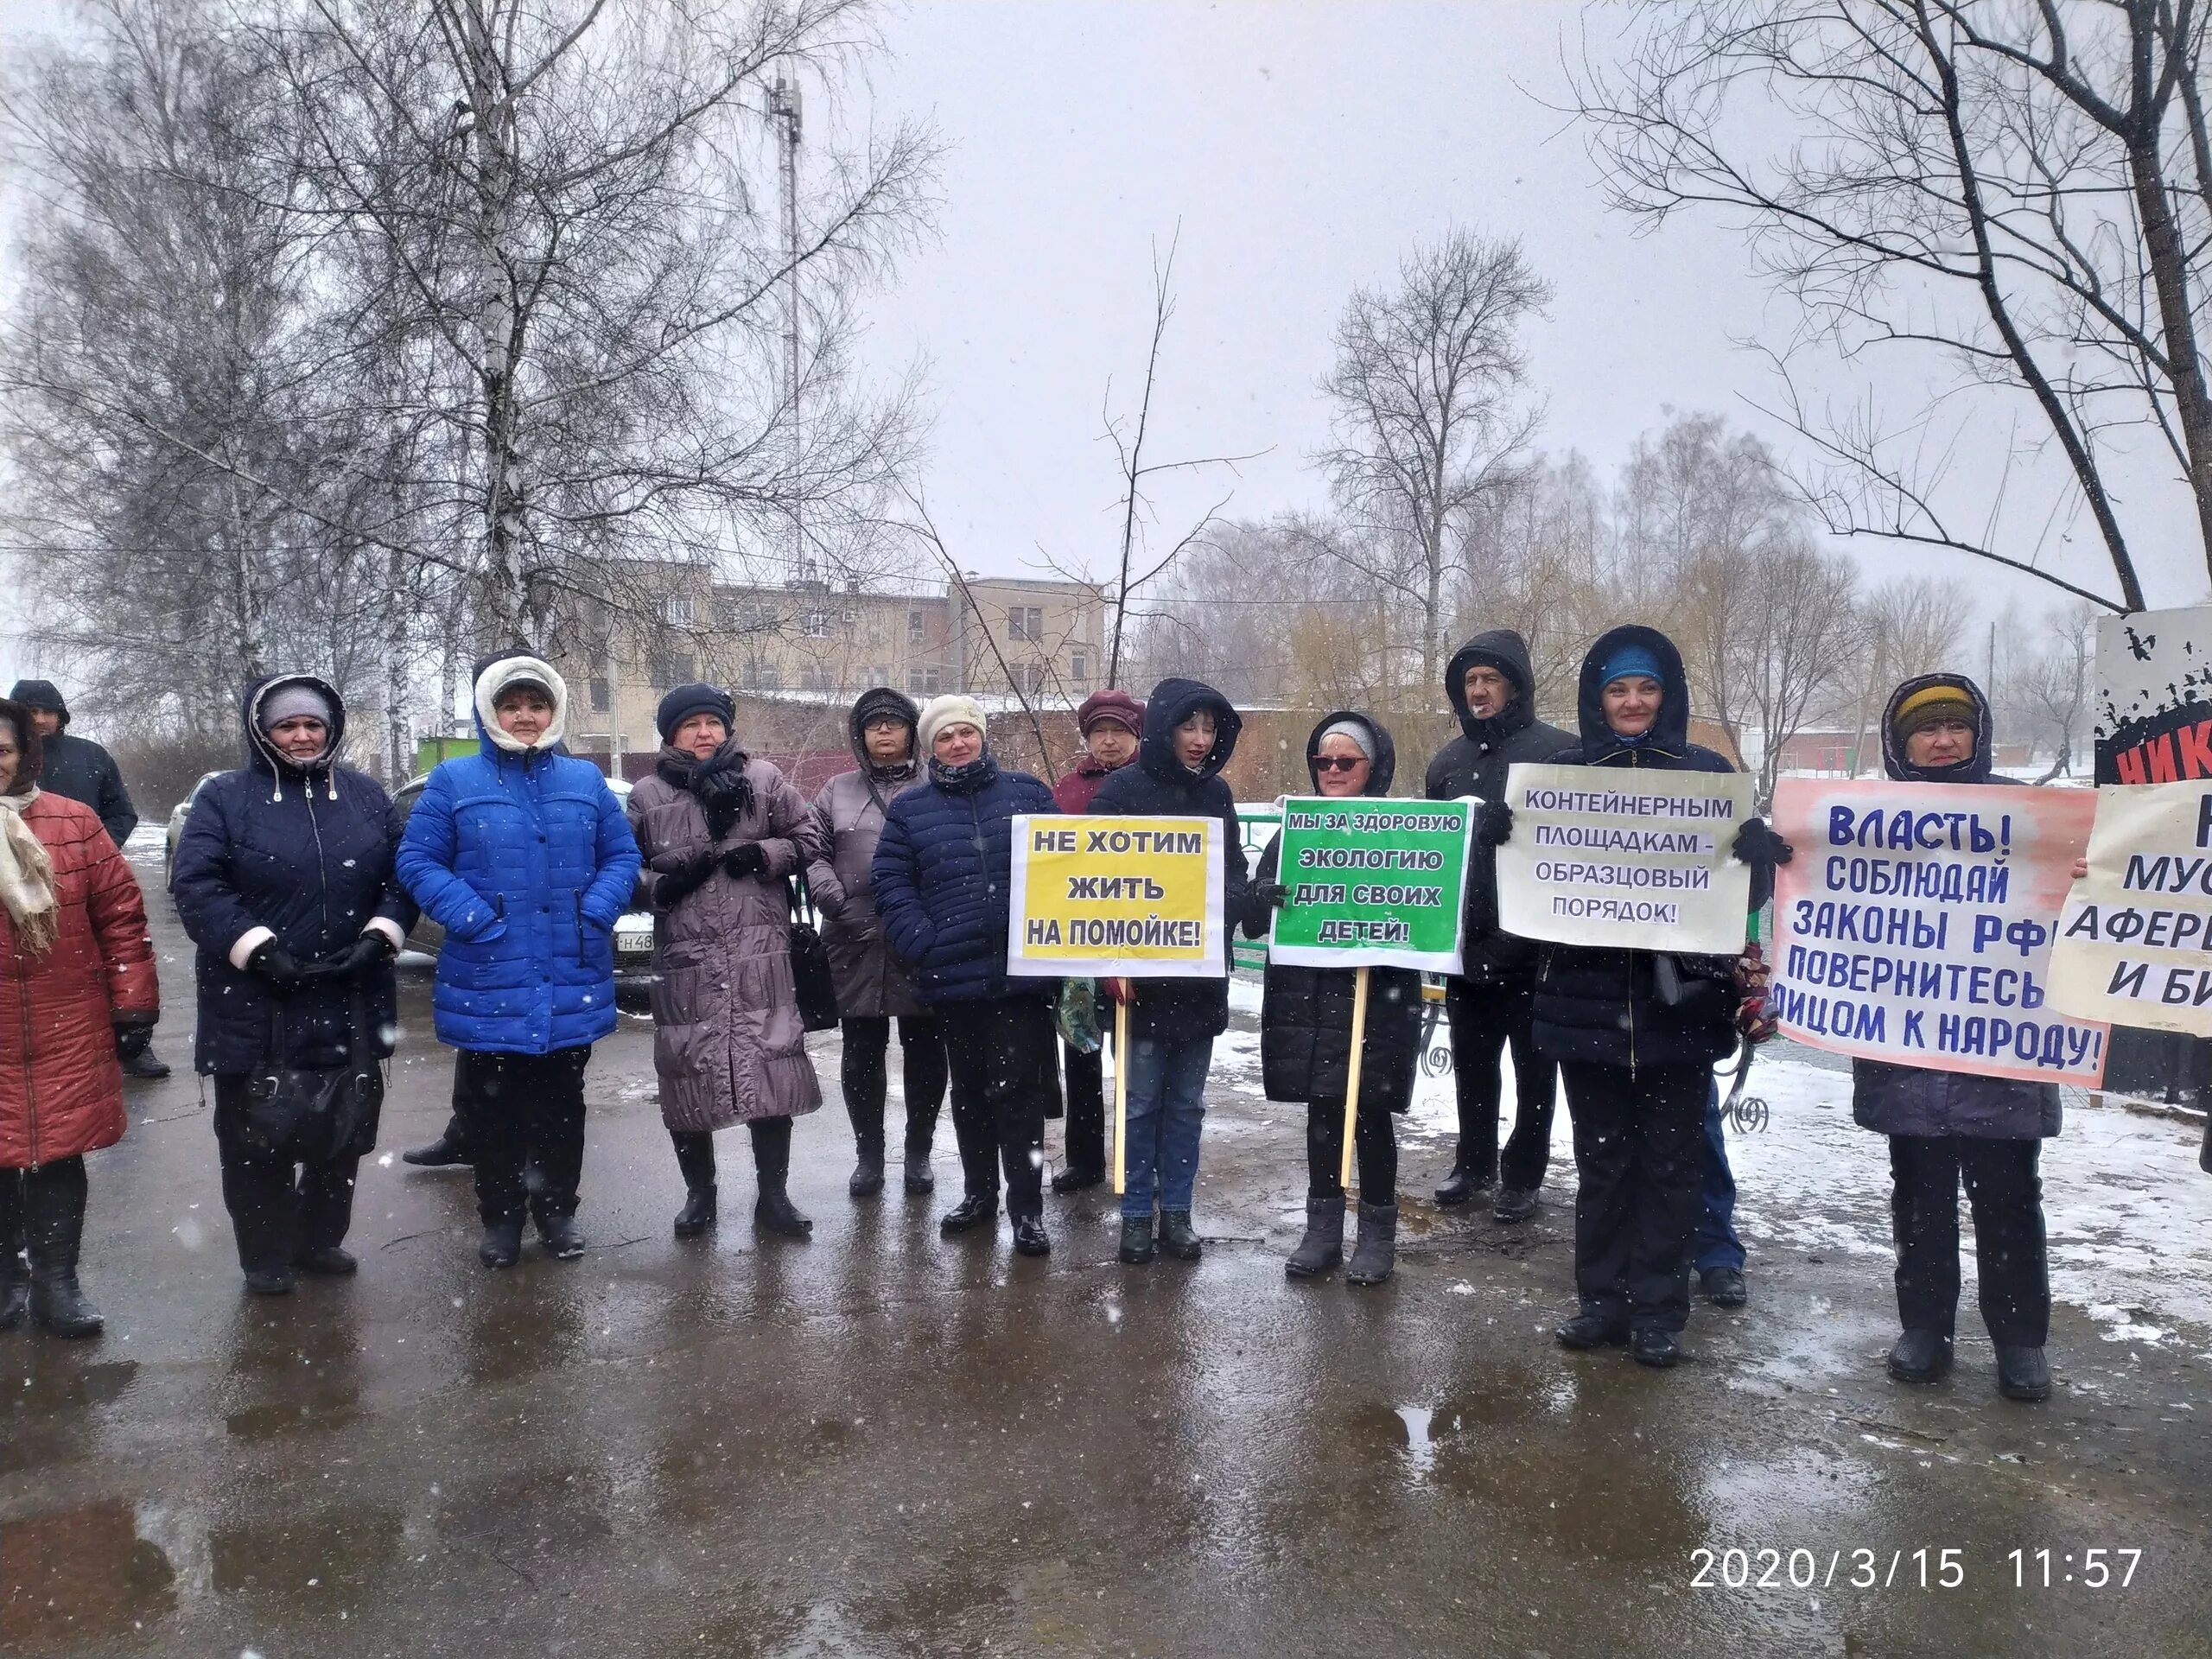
[
  {"x": 721, "y": 832},
  {"x": 873, "y": 988}
]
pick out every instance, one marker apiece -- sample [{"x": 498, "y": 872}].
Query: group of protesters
[{"x": 299, "y": 881}]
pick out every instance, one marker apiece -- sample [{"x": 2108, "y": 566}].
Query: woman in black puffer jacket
[
  {"x": 1305, "y": 1038},
  {"x": 284, "y": 880},
  {"x": 1946, "y": 1125},
  {"x": 1636, "y": 1033}
]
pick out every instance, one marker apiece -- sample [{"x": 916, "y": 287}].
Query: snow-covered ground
[{"x": 2129, "y": 1211}]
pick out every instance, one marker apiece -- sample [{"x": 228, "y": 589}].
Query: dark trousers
[
  {"x": 771, "y": 1153},
  {"x": 1374, "y": 1146},
  {"x": 1485, "y": 1020},
  {"x": 1717, "y": 1243},
  {"x": 866, "y": 1076},
  {"x": 518, "y": 1109},
  {"x": 1638, "y": 1148},
  {"x": 1086, "y": 1127},
  {"x": 2006, "y": 1196},
  {"x": 1002, "y": 1078},
  {"x": 280, "y": 1207}
]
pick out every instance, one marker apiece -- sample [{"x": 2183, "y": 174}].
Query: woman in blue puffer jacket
[
  {"x": 522, "y": 853},
  {"x": 284, "y": 880},
  {"x": 942, "y": 877}
]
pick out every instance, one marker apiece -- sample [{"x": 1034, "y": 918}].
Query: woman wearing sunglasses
[{"x": 1306, "y": 1039}]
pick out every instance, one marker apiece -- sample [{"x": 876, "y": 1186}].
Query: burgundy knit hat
[{"x": 1118, "y": 706}]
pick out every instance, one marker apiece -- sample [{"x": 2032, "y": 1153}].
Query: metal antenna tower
[{"x": 784, "y": 112}]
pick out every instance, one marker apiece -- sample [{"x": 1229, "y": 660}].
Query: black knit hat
[{"x": 685, "y": 700}]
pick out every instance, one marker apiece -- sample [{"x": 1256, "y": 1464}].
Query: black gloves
[
  {"x": 1759, "y": 846},
  {"x": 1494, "y": 824},
  {"x": 371, "y": 950},
  {"x": 746, "y": 860},
  {"x": 272, "y": 962},
  {"x": 1271, "y": 895}
]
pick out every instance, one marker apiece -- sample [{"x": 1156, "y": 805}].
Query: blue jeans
[
  {"x": 1717, "y": 1243},
  {"x": 1167, "y": 1106}
]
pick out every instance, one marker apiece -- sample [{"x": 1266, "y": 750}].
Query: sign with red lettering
[
  {"x": 1915, "y": 925},
  {"x": 2135, "y": 940},
  {"x": 2154, "y": 697}
]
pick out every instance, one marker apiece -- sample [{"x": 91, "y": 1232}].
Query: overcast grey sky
[{"x": 1302, "y": 148}]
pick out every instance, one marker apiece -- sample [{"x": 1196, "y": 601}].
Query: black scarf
[
  {"x": 963, "y": 780},
  {"x": 718, "y": 783}
]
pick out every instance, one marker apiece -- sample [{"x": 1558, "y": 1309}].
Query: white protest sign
[
  {"x": 1628, "y": 857},
  {"x": 2135, "y": 942},
  {"x": 1914, "y": 925}
]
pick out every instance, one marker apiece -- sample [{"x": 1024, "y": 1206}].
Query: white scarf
[{"x": 27, "y": 877}]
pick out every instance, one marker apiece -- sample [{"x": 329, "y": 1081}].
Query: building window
[
  {"x": 916, "y": 626},
  {"x": 816, "y": 626},
  {"x": 1078, "y": 669},
  {"x": 924, "y": 681},
  {"x": 1024, "y": 622},
  {"x": 671, "y": 669},
  {"x": 675, "y": 611},
  {"x": 602, "y": 697}
]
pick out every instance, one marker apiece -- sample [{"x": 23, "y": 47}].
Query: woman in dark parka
[
  {"x": 1636, "y": 1033},
  {"x": 284, "y": 880},
  {"x": 943, "y": 875},
  {"x": 1949, "y": 1127},
  {"x": 1305, "y": 1038}
]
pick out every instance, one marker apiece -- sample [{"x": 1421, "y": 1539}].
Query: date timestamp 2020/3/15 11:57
[{"x": 1922, "y": 1569}]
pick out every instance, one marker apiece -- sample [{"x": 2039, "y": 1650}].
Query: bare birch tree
[
  {"x": 1432, "y": 411},
  {"x": 2022, "y": 191}
]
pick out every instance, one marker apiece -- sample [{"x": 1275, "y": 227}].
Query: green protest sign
[{"x": 1373, "y": 883}]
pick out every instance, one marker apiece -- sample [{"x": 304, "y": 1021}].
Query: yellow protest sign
[{"x": 1101, "y": 897}]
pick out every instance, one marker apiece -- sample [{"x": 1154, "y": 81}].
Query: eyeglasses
[{"x": 1337, "y": 762}]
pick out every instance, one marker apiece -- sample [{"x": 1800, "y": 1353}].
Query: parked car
[
  {"x": 178, "y": 814},
  {"x": 633, "y": 932}
]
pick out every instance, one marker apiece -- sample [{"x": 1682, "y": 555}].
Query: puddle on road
[
  {"x": 1421, "y": 1451},
  {"x": 79, "y": 1574},
  {"x": 341, "y": 1549}
]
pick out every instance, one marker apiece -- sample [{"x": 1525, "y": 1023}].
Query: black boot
[
  {"x": 1723, "y": 1287},
  {"x": 1323, "y": 1247},
  {"x": 1462, "y": 1186},
  {"x": 449, "y": 1148},
  {"x": 772, "y": 1162},
  {"x": 2022, "y": 1373},
  {"x": 1656, "y": 1348},
  {"x": 1588, "y": 1329},
  {"x": 1375, "y": 1255},
  {"x": 502, "y": 1244},
  {"x": 1030, "y": 1238},
  {"x": 15, "y": 1272},
  {"x": 868, "y": 1143},
  {"x": 1514, "y": 1203},
  {"x": 695, "y": 1156},
  {"x": 976, "y": 1209},
  {"x": 1136, "y": 1240},
  {"x": 1920, "y": 1357},
  {"x": 921, "y": 1130},
  {"x": 54, "y": 1227},
  {"x": 563, "y": 1239},
  {"x": 1178, "y": 1237},
  {"x": 145, "y": 1063}
]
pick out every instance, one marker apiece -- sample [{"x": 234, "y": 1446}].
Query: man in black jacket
[
  {"x": 81, "y": 770},
  {"x": 1491, "y": 1000}
]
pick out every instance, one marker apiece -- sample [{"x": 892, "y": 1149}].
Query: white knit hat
[{"x": 954, "y": 709}]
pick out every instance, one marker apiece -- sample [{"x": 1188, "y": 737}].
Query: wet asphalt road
[{"x": 881, "y": 1442}]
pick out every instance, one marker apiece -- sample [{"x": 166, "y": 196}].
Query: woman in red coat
[{"x": 75, "y": 966}]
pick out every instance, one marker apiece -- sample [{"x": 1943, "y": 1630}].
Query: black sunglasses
[{"x": 1337, "y": 762}]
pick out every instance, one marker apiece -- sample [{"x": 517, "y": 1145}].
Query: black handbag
[
  {"x": 810, "y": 974},
  {"x": 313, "y": 1114}
]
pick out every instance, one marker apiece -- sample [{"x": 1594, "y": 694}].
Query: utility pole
[{"x": 784, "y": 112}]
